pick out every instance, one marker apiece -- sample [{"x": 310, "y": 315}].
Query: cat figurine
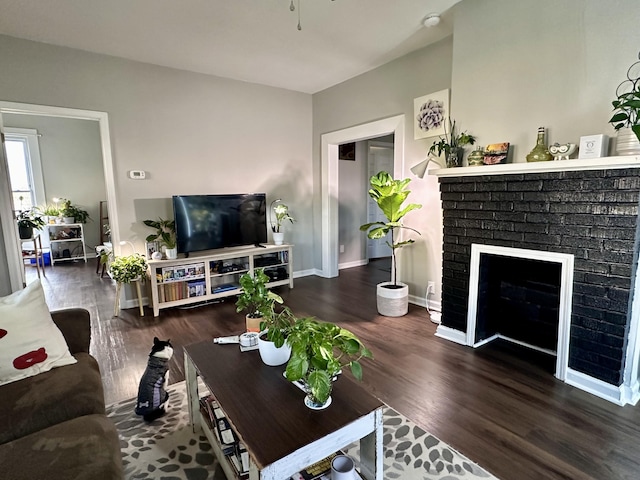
[{"x": 152, "y": 396}]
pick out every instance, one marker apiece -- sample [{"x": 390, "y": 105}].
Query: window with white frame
[{"x": 25, "y": 170}]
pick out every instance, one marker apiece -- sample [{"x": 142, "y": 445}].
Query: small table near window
[{"x": 34, "y": 253}]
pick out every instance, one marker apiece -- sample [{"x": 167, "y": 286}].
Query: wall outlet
[
  {"x": 341, "y": 248},
  {"x": 431, "y": 288}
]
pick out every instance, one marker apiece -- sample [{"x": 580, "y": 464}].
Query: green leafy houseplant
[
  {"x": 281, "y": 212},
  {"x": 319, "y": 351},
  {"x": 128, "y": 268},
  {"x": 165, "y": 232},
  {"x": 452, "y": 143},
  {"x": 278, "y": 324},
  {"x": 30, "y": 219},
  {"x": 390, "y": 195},
  {"x": 70, "y": 210},
  {"x": 49, "y": 210},
  {"x": 626, "y": 110},
  {"x": 255, "y": 297}
]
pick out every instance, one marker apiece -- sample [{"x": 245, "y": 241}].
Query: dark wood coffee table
[{"x": 267, "y": 413}]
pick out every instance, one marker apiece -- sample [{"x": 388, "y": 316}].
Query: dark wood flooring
[{"x": 498, "y": 405}]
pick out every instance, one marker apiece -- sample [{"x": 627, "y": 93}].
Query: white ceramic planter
[
  {"x": 278, "y": 238},
  {"x": 271, "y": 355},
  {"x": 171, "y": 253},
  {"x": 392, "y": 302},
  {"x": 627, "y": 143}
]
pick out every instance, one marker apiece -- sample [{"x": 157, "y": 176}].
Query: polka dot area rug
[{"x": 167, "y": 449}]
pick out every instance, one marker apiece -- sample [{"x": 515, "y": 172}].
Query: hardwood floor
[{"x": 498, "y": 405}]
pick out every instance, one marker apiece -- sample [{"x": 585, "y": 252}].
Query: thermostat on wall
[{"x": 137, "y": 174}]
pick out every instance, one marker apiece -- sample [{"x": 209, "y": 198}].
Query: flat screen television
[{"x": 206, "y": 222}]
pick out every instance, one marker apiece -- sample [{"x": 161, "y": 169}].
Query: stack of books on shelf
[
  {"x": 234, "y": 450},
  {"x": 181, "y": 281}
]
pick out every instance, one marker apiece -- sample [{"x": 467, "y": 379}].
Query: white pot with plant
[
  {"x": 165, "y": 234},
  {"x": 281, "y": 212},
  {"x": 390, "y": 194},
  {"x": 274, "y": 332},
  {"x": 626, "y": 113}
]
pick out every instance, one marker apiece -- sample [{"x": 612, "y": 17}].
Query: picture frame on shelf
[
  {"x": 151, "y": 248},
  {"x": 431, "y": 115},
  {"x": 496, "y": 153}
]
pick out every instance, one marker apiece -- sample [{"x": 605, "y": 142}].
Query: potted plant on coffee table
[
  {"x": 390, "y": 194},
  {"x": 319, "y": 352},
  {"x": 274, "y": 331},
  {"x": 255, "y": 298},
  {"x": 165, "y": 234},
  {"x": 452, "y": 145}
]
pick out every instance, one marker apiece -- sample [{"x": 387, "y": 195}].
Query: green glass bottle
[{"x": 540, "y": 152}]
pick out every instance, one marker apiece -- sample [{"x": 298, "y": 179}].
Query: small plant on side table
[
  {"x": 256, "y": 299},
  {"x": 126, "y": 270}
]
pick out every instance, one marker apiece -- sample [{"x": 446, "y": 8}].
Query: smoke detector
[{"x": 431, "y": 20}]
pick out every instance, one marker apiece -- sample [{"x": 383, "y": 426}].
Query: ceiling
[{"x": 251, "y": 40}]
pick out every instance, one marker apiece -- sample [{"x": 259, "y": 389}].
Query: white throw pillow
[{"x": 30, "y": 342}]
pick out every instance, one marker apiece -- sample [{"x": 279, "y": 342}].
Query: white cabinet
[
  {"x": 67, "y": 242},
  {"x": 210, "y": 276}
]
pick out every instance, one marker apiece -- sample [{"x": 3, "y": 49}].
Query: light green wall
[{"x": 191, "y": 133}]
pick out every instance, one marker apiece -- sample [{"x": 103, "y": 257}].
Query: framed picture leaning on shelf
[{"x": 151, "y": 248}]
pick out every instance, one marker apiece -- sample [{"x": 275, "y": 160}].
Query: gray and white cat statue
[{"x": 152, "y": 396}]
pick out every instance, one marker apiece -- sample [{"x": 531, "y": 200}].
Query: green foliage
[
  {"x": 30, "y": 219},
  {"x": 277, "y": 324},
  {"x": 255, "y": 297},
  {"x": 452, "y": 141},
  {"x": 128, "y": 268},
  {"x": 627, "y": 111},
  {"x": 319, "y": 351},
  {"x": 390, "y": 195},
  {"x": 165, "y": 232},
  {"x": 49, "y": 210},
  {"x": 70, "y": 210}
]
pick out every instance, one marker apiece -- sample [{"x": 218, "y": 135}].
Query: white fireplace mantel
[{"x": 603, "y": 163}]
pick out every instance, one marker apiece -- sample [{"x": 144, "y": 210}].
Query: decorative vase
[
  {"x": 278, "y": 238},
  {"x": 343, "y": 468},
  {"x": 171, "y": 253},
  {"x": 454, "y": 158},
  {"x": 540, "y": 152},
  {"x": 392, "y": 299},
  {"x": 476, "y": 158},
  {"x": 272, "y": 355},
  {"x": 627, "y": 142}
]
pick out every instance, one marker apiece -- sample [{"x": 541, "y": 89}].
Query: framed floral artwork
[{"x": 430, "y": 114}]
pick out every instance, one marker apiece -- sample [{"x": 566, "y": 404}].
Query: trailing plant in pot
[
  {"x": 274, "y": 331},
  {"x": 28, "y": 220},
  {"x": 166, "y": 234},
  {"x": 319, "y": 352},
  {"x": 255, "y": 298},
  {"x": 390, "y": 195},
  {"x": 452, "y": 145},
  {"x": 126, "y": 269},
  {"x": 626, "y": 113}
]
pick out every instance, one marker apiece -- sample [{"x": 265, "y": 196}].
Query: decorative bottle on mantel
[{"x": 540, "y": 152}]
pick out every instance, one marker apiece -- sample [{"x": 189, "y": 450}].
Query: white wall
[
  {"x": 191, "y": 133},
  {"x": 71, "y": 164}
]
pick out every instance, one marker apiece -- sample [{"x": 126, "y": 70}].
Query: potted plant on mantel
[
  {"x": 319, "y": 352},
  {"x": 390, "y": 194},
  {"x": 452, "y": 145},
  {"x": 166, "y": 234},
  {"x": 626, "y": 116},
  {"x": 255, "y": 298}
]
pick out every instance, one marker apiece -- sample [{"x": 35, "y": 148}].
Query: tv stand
[{"x": 214, "y": 275}]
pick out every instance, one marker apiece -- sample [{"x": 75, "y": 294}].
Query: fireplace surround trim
[{"x": 566, "y": 292}]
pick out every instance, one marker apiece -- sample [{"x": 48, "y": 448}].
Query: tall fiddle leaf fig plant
[{"x": 390, "y": 195}]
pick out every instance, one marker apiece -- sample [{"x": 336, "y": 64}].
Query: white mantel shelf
[{"x": 603, "y": 163}]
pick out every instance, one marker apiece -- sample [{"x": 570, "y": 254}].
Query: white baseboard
[
  {"x": 451, "y": 334},
  {"x": 306, "y": 273},
  {"x": 596, "y": 387},
  {"x": 356, "y": 263}
]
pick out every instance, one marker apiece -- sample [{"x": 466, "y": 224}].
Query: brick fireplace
[{"x": 584, "y": 210}]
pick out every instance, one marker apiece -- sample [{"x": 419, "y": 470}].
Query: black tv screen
[{"x": 206, "y": 222}]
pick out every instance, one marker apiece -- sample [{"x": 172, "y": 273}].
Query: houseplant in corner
[
  {"x": 390, "y": 194},
  {"x": 255, "y": 298},
  {"x": 626, "y": 116},
  {"x": 281, "y": 211},
  {"x": 166, "y": 234},
  {"x": 452, "y": 145},
  {"x": 27, "y": 221},
  {"x": 319, "y": 352}
]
